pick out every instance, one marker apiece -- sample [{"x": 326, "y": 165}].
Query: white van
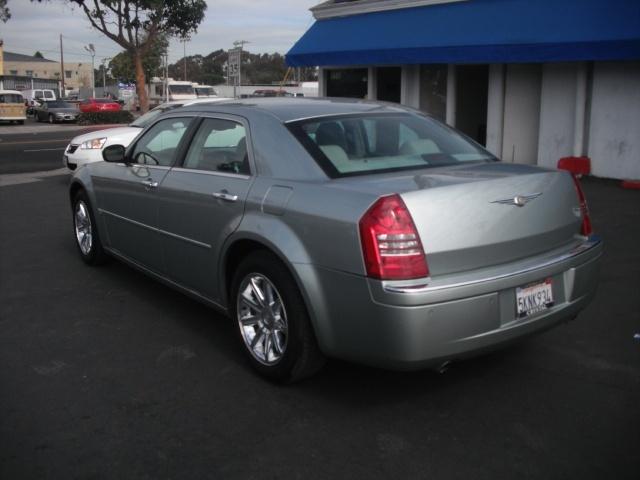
[{"x": 32, "y": 96}]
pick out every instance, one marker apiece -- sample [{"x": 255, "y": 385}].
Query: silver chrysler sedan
[{"x": 342, "y": 228}]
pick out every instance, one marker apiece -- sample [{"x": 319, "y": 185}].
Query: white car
[{"x": 88, "y": 148}]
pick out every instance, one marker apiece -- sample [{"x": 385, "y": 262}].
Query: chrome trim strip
[
  {"x": 154, "y": 229},
  {"x": 209, "y": 172},
  {"x": 422, "y": 286}
]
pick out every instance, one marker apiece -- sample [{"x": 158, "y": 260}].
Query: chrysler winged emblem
[{"x": 518, "y": 200}]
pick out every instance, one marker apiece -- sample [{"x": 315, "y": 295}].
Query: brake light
[
  {"x": 390, "y": 242},
  {"x": 586, "y": 229}
]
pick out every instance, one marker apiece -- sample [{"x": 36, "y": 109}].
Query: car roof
[{"x": 290, "y": 109}]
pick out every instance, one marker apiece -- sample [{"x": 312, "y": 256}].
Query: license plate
[{"x": 534, "y": 298}]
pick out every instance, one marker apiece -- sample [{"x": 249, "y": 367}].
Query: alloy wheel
[
  {"x": 82, "y": 223},
  {"x": 262, "y": 319}
]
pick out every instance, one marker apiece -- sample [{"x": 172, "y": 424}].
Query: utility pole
[
  {"x": 64, "y": 93},
  {"x": 184, "y": 57},
  {"x": 92, "y": 51}
]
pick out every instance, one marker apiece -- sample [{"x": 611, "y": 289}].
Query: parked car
[
  {"x": 93, "y": 105},
  {"x": 57, "y": 111},
  {"x": 12, "y": 107},
  {"x": 351, "y": 229},
  {"x": 88, "y": 148}
]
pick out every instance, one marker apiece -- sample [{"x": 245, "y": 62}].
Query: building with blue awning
[{"x": 534, "y": 81}]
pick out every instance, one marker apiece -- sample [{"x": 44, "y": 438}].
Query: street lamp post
[{"x": 92, "y": 51}]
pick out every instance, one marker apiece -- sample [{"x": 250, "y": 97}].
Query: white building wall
[
  {"x": 521, "y": 114},
  {"x": 557, "y": 113},
  {"x": 495, "y": 109},
  {"x": 614, "y": 134}
]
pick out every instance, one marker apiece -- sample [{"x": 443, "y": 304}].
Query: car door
[
  {"x": 202, "y": 202},
  {"x": 127, "y": 193}
]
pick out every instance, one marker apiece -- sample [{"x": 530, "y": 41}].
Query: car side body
[{"x": 192, "y": 229}]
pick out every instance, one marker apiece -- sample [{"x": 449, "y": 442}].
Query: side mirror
[{"x": 114, "y": 154}]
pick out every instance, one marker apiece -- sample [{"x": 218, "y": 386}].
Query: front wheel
[
  {"x": 273, "y": 321},
  {"x": 86, "y": 231},
  {"x": 51, "y": 119}
]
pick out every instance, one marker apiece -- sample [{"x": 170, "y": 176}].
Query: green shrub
[{"x": 98, "y": 118}]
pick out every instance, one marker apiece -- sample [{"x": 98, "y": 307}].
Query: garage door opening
[{"x": 472, "y": 94}]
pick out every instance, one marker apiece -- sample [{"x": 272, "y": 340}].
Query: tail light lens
[
  {"x": 390, "y": 242},
  {"x": 586, "y": 229}
]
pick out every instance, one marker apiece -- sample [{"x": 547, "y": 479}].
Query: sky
[{"x": 268, "y": 25}]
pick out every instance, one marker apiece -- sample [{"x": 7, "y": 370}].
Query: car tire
[
  {"x": 279, "y": 342},
  {"x": 85, "y": 231},
  {"x": 51, "y": 119}
]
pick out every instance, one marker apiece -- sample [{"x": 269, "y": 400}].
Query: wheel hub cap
[
  {"x": 82, "y": 222},
  {"x": 262, "y": 319}
]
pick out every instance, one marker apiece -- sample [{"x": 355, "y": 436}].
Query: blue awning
[{"x": 476, "y": 31}]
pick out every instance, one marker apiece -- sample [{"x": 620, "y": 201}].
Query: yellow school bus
[{"x": 12, "y": 107}]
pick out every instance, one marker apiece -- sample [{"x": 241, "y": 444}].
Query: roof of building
[
  {"x": 475, "y": 31},
  {"x": 19, "y": 57}
]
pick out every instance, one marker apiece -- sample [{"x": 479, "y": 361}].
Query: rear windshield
[
  {"x": 11, "y": 98},
  {"x": 371, "y": 143}
]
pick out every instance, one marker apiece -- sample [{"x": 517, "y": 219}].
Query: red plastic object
[
  {"x": 390, "y": 242},
  {"x": 632, "y": 184},
  {"x": 575, "y": 165}
]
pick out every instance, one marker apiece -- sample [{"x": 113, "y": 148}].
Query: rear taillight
[
  {"x": 585, "y": 228},
  {"x": 390, "y": 242}
]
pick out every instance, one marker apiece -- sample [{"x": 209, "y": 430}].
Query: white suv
[{"x": 87, "y": 148}]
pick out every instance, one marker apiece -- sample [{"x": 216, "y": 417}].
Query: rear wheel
[
  {"x": 86, "y": 231},
  {"x": 273, "y": 321}
]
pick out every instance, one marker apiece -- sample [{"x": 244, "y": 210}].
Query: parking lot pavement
[{"x": 105, "y": 373}]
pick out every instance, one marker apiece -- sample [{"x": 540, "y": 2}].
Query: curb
[{"x": 631, "y": 184}]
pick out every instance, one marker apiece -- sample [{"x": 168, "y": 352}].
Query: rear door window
[{"x": 220, "y": 145}]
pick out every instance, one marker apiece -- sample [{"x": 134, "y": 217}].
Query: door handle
[
  {"x": 227, "y": 197},
  {"x": 149, "y": 184}
]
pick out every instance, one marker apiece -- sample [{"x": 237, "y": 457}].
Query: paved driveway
[{"x": 105, "y": 373}]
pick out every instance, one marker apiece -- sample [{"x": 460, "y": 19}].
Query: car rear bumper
[{"x": 401, "y": 327}]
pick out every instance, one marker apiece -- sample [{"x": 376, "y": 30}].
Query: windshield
[
  {"x": 181, "y": 89},
  {"x": 370, "y": 143},
  {"x": 11, "y": 98},
  {"x": 205, "y": 92},
  {"x": 60, "y": 105},
  {"x": 146, "y": 119}
]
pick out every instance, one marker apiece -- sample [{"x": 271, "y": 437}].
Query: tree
[
  {"x": 135, "y": 25},
  {"x": 123, "y": 68},
  {"x": 38, "y": 54},
  {"x": 5, "y": 14}
]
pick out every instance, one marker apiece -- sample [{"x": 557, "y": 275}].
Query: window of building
[
  {"x": 13, "y": 72},
  {"x": 347, "y": 82},
  {"x": 29, "y": 73},
  {"x": 67, "y": 74}
]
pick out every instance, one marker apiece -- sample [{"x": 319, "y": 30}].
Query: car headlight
[{"x": 94, "y": 144}]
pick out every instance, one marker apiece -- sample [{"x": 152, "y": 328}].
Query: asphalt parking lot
[{"x": 105, "y": 373}]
